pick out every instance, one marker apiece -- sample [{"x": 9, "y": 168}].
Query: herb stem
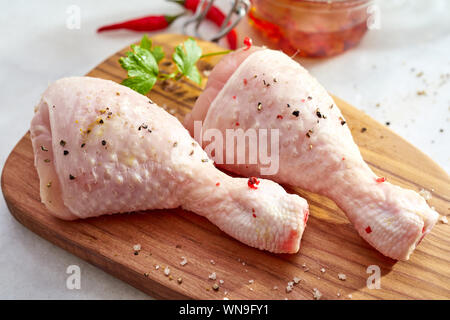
[
  {"x": 163, "y": 76},
  {"x": 218, "y": 53}
]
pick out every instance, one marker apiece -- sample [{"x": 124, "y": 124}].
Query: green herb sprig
[{"x": 142, "y": 64}]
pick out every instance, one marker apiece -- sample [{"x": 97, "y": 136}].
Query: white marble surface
[{"x": 37, "y": 48}]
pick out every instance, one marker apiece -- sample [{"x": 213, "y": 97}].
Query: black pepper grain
[
  {"x": 62, "y": 143},
  {"x": 104, "y": 142},
  {"x": 66, "y": 152},
  {"x": 296, "y": 113},
  {"x": 71, "y": 177}
]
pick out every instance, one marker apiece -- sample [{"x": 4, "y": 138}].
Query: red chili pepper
[
  {"x": 217, "y": 184},
  {"x": 253, "y": 182},
  {"x": 368, "y": 229},
  {"x": 149, "y": 23},
  {"x": 248, "y": 42},
  {"x": 279, "y": 116},
  {"x": 215, "y": 15},
  {"x": 237, "y": 123},
  {"x": 379, "y": 180}
]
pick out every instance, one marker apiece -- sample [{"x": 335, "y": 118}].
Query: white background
[{"x": 36, "y": 48}]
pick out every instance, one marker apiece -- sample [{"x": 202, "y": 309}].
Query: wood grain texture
[{"x": 329, "y": 241}]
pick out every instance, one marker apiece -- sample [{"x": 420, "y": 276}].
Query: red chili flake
[
  {"x": 253, "y": 210},
  {"x": 343, "y": 158},
  {"x": 305, "y": 219},
  {"x": 279, "y": 116},
  {"x": 237, "y": 123},
  {"x": 254, "y": 215},
  {"x": 380, "y": 180},
  {"x": 423, "y": 229},
  {"x": 303, "y": 100},
  {"x": 234, "y": 97},
  {"x": 248, "y": 42},
  {"x": 368, "y": 229},
  {"x": 245, "y": 81},
  {"x": 217, "y": 184},
  {"x": 252, "y": 182}
]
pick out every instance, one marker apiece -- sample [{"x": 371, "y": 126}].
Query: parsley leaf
[
  {"x": 141, "y": 84},
  {"x": 142, "y": 68},
  {"x": 185, "y": 57},
  {"x": 156, "y": 51},
  {"x": 141, "y": 64}
]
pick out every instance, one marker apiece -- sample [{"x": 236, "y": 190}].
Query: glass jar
[{"x": 314, "y": 28}]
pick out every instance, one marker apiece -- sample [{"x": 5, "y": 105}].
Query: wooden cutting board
[{"x": 329, "y": 242}]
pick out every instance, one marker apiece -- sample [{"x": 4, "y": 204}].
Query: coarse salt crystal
[
  {"x": 212, "y": 261},
  {"x": 166, "y": 271},
  {"x": 221, "y": 281},
  {"x": 342, "y": 276},
  {"x": 317, "y": 294},
  {"x": 157, "y": 267},
  {"x": 296, "y": 280},
  {"x": 225, "y": 298},
  {"x": 350, "y": 296},
  {"x": 443, "y": 219},
  {"x": 184, "y": 261},
  {"x": 137, "y": 247},
  {"x": 251, "y": 281},
  {"x": 288, "y": 289},
  {"x": 212, "y": 276},
  {"x": 322, "y": 270}
]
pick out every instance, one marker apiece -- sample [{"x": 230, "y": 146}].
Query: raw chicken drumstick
[
  {"x": 261, "y": 88},
  {"x": 101, "y": 148}
]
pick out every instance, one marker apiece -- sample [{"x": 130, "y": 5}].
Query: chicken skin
[
  {"x": 102, "y": 148},
  {"x": 265, "y": 89}
]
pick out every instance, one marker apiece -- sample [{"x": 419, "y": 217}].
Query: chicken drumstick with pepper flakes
[
  {"x": 102, "y": 148},
  {"x": 265, "y": 89}
]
